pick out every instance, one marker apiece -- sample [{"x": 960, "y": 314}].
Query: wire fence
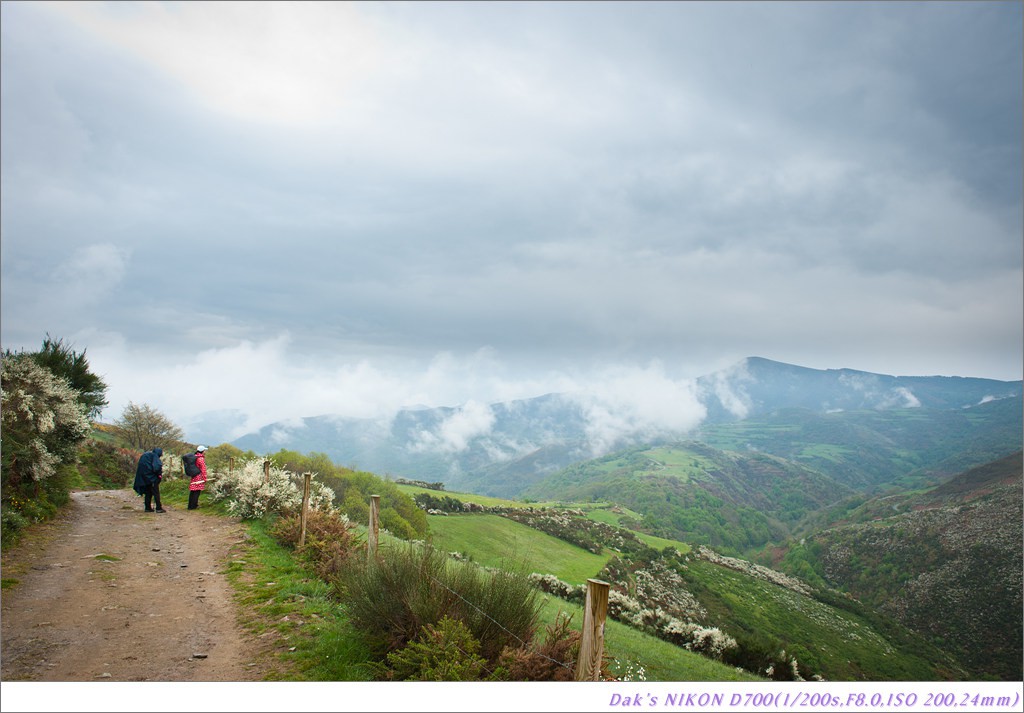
[
  {"x": 592, "y": 635},
  {"x": 524, "y": 644}
]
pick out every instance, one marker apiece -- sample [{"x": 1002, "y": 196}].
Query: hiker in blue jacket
[{"x": 147, "y": 478}]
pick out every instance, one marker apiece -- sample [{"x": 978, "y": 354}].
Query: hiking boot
[
  {"x": 160, "y": 510},
  {"x": 149, "y": 510}
]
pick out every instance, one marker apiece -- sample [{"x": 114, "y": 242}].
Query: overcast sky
[{"x": 295, "y": 209}]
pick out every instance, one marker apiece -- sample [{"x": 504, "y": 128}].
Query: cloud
[
  {"x": 272, "y": 380},
  {"x": 878, "y": 396},
  {"x": 903, "y": 397},
  {"x": 303, "y": 208},
  {"x": 92, "y": 270},
  {"x": 454, "y": 435},
  {"x": 727, "y": 385},
  {"x": 285, "y": 63},
  {"x": 624, "y": 404}
]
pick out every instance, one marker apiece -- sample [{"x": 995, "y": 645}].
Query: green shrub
[
  {"x": 399, "y": 514},
  {"x": 330, "y": 540},
  {"x": 553, "y": 660},
  {"x": 445, "y": 652},
  {"x": 12, "y": 523},
  {"x": 105, "y": 465},
  {"x": 408, "y": 587}
]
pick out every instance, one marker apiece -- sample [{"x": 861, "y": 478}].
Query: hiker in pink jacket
[{"x": 198, "y": 482}]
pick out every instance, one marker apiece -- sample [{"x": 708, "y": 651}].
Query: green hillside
[
  {"x": 946, "y": 562},
  {"x": 493, "y": 541},
  {"x": 773, "y": 619},
  {"x": 744, "y": 484},
  {"x": 695, "y": 493},
  {"x": 866, "y": 449},
  {"x": 484, "y": 500},
  {"x": 836, "y": 643}
]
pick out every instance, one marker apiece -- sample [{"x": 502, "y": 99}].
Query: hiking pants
[
  {"x": 193, "y": 499},
  {"x": 153, "y": 495}
]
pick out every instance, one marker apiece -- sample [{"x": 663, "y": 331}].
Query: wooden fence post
[
  {"x": 231, "y": 466},
  {"x": 588, "y": 667},
  {"x": 266, "y": 471},
  {"x": 371, "y": 536},
  {"x": 305, "y": 507}
]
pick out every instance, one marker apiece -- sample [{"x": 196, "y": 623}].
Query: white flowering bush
[
  {"x": 250, "y": 495},
  {"x": 563, "y": 590},
  {"x": 708, "y": 641},
  {"x": 755, "y": 570},
  {"x": 43, "y": 422}
]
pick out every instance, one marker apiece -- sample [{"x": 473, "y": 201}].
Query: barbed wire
[{"x": 498, "y": 624}]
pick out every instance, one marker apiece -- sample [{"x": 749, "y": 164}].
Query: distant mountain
[
  {"x": 693, "y": 492},
  {"x": 946, "y": 562},
  {"x": 439, "y": 444},
  {"x": 869, "y": 448},
  {"x": 757, "y": 386},
  {"x": 741, "y": 484},
  {"x": 503, "y": 448}
]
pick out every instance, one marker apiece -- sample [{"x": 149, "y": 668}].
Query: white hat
[{"x": 200, "y": 449}]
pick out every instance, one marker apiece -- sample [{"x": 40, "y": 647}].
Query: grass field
[
  {"x": 495, "y": 541},
  {"x": 485, "y": 500},
  {"x": 605, "y": 515}
]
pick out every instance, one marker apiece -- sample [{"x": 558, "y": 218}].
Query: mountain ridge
[
  {"x": 929, "y": 559},
  {"x": 502, "y": 447}
]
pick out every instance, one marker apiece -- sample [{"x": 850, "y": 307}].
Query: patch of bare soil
[{"x": 109, "y": 592}]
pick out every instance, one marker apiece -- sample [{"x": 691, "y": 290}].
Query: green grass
[
  {"x": 494, "y": 541},
  {"x": 282, "y": 602},
  {"x": 660, "y": 543},
  {"x": 313, "y": 640},
  {"x": 608, "y": 517},
  {"x": 604, "y": 513},
  {"x": 681, "y": 463},
  {"x": 485, "y": 500},
  {"x": 825, "y": 451}
]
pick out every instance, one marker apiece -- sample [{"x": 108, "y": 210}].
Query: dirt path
[{"x": 109, "y": 592}]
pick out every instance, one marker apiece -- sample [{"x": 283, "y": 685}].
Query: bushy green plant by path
[
  {"x": 553, "y": 659},
  {"x": 330, "y": 540},
  {"x": 64, "y": 362},
  {"x": 390, "y": 599},
  {"x": 447, "y": 651},
  {"x": 102, "y": 464},
  {"x": 399, "y": 515}
]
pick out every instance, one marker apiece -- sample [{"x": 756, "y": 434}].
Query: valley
[{"x": 831, "y": 524}]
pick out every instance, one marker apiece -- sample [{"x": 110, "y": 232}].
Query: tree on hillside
[
  {"x": 143, "y": 427},
  {"x": 64, "y": 362}
]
